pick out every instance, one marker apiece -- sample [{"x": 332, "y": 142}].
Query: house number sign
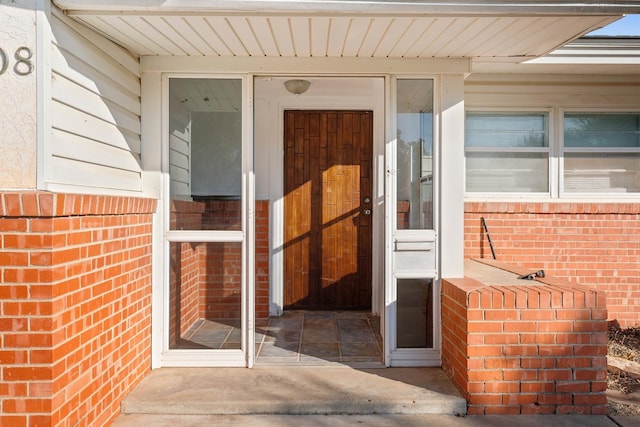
[{"x": 22, "y": 66}]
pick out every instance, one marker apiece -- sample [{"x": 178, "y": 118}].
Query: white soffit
[
  {"x": 340, "y": 28},
  {"x": 588, "y": 55}
]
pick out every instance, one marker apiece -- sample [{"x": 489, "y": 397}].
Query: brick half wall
[
  {"x": 75, "y": 305},
  {"x": 538, "y": 348},
  {"x": 587, "y": 243}
]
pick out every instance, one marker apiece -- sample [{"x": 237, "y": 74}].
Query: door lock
[{"x": 367, "y": 211}]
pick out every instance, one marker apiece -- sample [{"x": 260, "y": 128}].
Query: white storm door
[
  {"x": 208, "y": 206},
  {"x": 412, "y": 285}
]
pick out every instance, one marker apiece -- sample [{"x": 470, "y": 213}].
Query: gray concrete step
[
  {"x": 294, "y": 391},
  {"x": 381, "y": 420}
]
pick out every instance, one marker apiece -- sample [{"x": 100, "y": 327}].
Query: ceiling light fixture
[{"x": 297, "y": 86}]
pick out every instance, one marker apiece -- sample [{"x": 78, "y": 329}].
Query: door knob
[{"x": 367, "y": 211}]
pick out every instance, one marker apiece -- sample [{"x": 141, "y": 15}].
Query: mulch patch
[{"x": 625, "y": 344}]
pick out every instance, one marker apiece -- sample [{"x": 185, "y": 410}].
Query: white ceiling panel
[
  {"x": 378, "y": 28},
  {"x": 194, "y": 37},
  {"x": 337, "y": 36},
  {"x": 435, "y": 28},
  {"x": 227, "y": 34},
  {"x": 520, "y": 42},
  {"x": 300, "y": 36},
  {"x": 319, "y": 35},
  {"x": 473, "y": 28},
  {"x": 482, "y": 38},
  {"x": 397, "y": 31},
  {"x": 121, "y": 32},
  {"x": 209, "y": 36},
  {"x": 245, "y": 33},
  {"x": 281, "y": 30},
  {"x": 358, "y": 29},
  {"x": 263, "y": 32},
  {"x": 341, "y": 36},
  {"x": 169, "y": 34}
]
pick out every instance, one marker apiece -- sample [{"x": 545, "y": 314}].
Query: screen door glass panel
[
  {"x": 205, "y": 154},
  {"x": 206, "y": 235},
  {"x": 415, "y": 313},
  {"x": 205, "y": 295},
  {"x": 415, "y": 154}
]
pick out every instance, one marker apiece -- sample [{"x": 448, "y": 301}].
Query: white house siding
[
  {"x": 552, "y": 91},
  {"x": 95, "y": 113},
  {"x": 180, "y": 152}
]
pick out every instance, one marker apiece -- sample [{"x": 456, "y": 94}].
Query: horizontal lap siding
[
  {"x": 180, "y": 152},
  {"x": 95, "y": 120},
  {"x": 546, "y": 91}
]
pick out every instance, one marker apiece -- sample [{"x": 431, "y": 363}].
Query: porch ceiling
[{"x": 393, "y": 31}]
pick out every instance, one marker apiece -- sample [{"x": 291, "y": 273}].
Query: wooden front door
[{"x": 327, "y": 208}]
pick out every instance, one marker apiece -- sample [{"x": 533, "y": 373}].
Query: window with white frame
[
  {"x": 601, "y": 153},
  {"x": 507, "y": 151}
]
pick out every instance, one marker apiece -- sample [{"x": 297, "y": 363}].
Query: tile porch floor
[{"x": 302, "y": 338}]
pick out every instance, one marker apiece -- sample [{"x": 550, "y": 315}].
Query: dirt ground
[{"x": 623, "y": 389}]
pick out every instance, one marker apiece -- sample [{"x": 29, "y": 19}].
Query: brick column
[
  {"x": 539, "y": 348},
  {"x": 75, "y": 305}
]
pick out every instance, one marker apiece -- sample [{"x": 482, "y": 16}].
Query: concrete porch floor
[
  {"x": 293, "y": 391},
  {"x": 317, "y": 396}
]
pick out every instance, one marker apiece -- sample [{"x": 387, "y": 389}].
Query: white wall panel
[
  {"x": 545, "y": 91},
  {"x": 179, "y": 152},
  {"x": 95, "y": 113}
]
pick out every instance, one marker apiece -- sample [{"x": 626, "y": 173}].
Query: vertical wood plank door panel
[{"x": 327, "y": 208}]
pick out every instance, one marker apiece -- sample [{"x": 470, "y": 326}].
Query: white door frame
[
  {"x": 418, "y": 238},
  {"x": 273, "y": 101},
  {"x": 451, "y": 125}
]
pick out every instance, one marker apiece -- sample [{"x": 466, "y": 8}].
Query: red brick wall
[
  {"x": 586, "y": 243},
  {"x": 75, "y": 306},
  {"x": 538, "y": 348},
  {"x": 184, "y": 289},
  {"x": 403, "y": 218},
  {"x": 221, "y": 281}
]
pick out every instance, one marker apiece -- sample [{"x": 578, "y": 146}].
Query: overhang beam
[{"x": 305, "y": 66}]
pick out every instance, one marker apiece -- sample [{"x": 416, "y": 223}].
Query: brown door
[{"x": 327, "y": 208}]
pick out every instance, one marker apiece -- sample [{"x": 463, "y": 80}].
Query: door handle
[{"x": 367, "y": 212}]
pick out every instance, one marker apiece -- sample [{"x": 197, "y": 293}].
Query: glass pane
[
  {"x": 600, "y": 172},
  {"x": 205, "y": 295},
  {"x": 415, "y": 154},
  {"x": 602, "y": 130},
  {"x": 506, "y": 129},
  {"x": 415, "y": 313},
  {"x": 507, "y": 172},
  {"x": 205, "y": 153}
]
